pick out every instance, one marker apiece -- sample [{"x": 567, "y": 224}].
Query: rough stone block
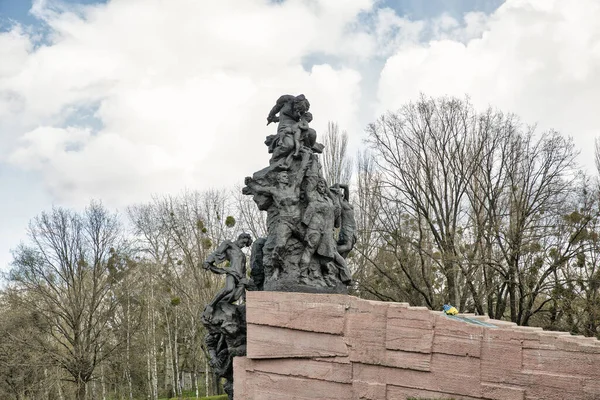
[
  {"x": 391, "y": 358},
  {"x": 239, "y": 383},
  {"x": 393, "y": 376},
  {"x": 368, "y": 391},
  {"x": 305, "y": 316},
  {"x": 308, "y": 368},
  {"x": 271, "y": 342},
  {"x": 592, "y": 388},
  {"x": 501, "y": 360},
  {"x": 559, "y": 361},
  {"x": 263, "y": 386},
  {"x": 502, "y": 392},
  {"x": 365, "y": 332},
  {"x": 554, "y": 386},
  {"x": 457, "y": 345},
  {"x": 454, "y": 374},
  {"x": 405, "y": 359},
  {"x": 366, "y": 329},
  {"x": 402, "y": 393},
  {"x": 413, "y": 317},
  {"x": 401, "y": 337},
  {"x": 457, "y": 338}
]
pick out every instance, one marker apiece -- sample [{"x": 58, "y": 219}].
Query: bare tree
[
  {"x": 64, "y": 277},
  {"x": 178, "y": 233},
  {"x": 486, "y": 203},
  {"x": 337, "y": 165},
  {"x": 426, "y": 155},
  {"x": 25, "y": 371},
  {"x": 540, "y": 173},
  {"x": 250, "y": 218}
]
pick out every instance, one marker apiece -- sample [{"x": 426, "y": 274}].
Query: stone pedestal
[{"x": 326, "y": 346}]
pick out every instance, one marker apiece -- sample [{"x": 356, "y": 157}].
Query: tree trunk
[
  {"x": 102, "y": 382},
  {"x": 59, "y": 386},
  {"x": 451, "y": 279},
  {"x": 128, "y": 353},
  {"x": 512, "y": 291},
  {"x": 196, "y": 389},
  {"x": 169, "y": 358},
  {"x": 46, "y": 384},
  {"x": 81, "y": 389},
  {"x": 206, "y": 376},
  {"x": 176, "y": 356}
]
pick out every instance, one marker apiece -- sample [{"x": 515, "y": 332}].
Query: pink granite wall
[{"x": 308, "y": 346}]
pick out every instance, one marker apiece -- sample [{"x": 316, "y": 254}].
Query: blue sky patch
[{"x": 18, "y": 10}]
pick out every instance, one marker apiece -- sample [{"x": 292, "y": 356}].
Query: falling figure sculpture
[
  {"x": 236, "y": 280},
  {"x": 224, "y": 320}
]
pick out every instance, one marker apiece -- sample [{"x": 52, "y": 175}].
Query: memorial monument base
[{"x": 336, "y": 347}]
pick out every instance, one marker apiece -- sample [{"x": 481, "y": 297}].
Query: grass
[
  {"x": 220, "y": 397},
  {"x": 191, "y": 395}
]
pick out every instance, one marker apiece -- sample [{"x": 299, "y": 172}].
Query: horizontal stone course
[
  {"x": 311, "y": 346},
  {"x": 273, "y": 342},
  {"x": 315, "y": 317},
  {"x": 308, "y": 368},
  {"x": 265, "y": 386}
]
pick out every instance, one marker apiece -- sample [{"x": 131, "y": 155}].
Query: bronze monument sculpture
[{"x": 300, "y": 252}]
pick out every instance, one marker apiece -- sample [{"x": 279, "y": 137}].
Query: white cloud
[
  {"x": 182, "y": 89},
  {"x": 135, "y": 97},
  {"x": 537, "y": 58}
]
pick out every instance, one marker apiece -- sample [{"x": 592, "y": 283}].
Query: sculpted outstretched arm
[
  {"x": 217, "y": 270},
  {"x": 219, "y": 255},
  {"x": 258, "y": 188}
]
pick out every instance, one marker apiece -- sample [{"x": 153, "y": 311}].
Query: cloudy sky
[{"x": 117, "y": 100}]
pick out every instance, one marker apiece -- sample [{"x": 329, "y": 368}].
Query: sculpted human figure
[
  {"x": 225, "y": 322},
  {"x": 286, "y": 199},
  {"x": 290, "y": 109},
  {"x": 257, "y": 268},
  {"x": 292, "y": 139},
  {"x": 226, "y": 338},
  {"x": 235, "y": 281},
  {"x": 300, "y": 251},
  {"x": 319, "y": 219},
  {"x": 347, "y": 235},
  {"x": 307, "y": 136},
  {"x": 287, "y": 140}
]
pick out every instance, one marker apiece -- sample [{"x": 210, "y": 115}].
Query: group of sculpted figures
[{"x": 300, "y": 252}]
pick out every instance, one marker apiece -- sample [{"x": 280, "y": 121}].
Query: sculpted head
[
  {"x": 283, "y": 178},
  {"x": 308, "y": 117},
  {"x": 301, "y": 105},
  {"x": 321, "y": 186},
  {"x": 244, "y": 240}
]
